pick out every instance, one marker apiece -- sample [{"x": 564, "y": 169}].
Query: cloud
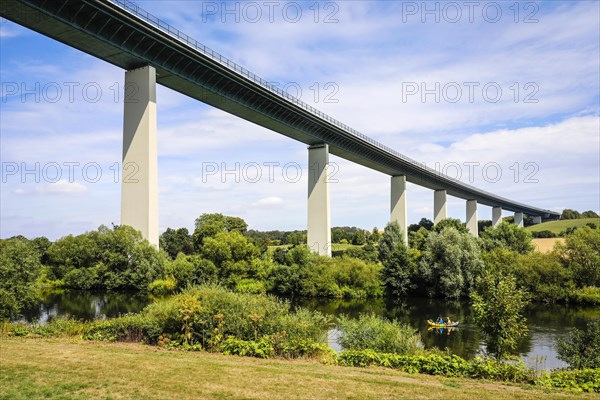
[
  {"x": 63, "y": 187},
  {"x": 269, "y": 202}
]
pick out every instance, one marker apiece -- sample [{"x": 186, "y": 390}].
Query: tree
[
  {"x": 19, "y": 269},
  {"x": 498, "y": 307},
  {"x": 398, "y": 271},
  {"x": 358, "y": 238},
  {"x": 589, "y": 214},
  {"x": 450, "y": 222},
  {"x": 570, "y": 214},
  {"x": 175, "y": 241},
  {"x": 581, "y": 252},
  {"x": 392, "y": 234},
  {"x": 208, "y": 225},
  {"x": 509, "y": 236},
  {"x": 581, "y": 349},
  {"x": 231, "y": 253},
  {"x": 450, "y": 263}
]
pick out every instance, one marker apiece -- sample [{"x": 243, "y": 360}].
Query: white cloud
[
  {"x": 63, "y": 187},
  {"x": 269, "y": 202}
]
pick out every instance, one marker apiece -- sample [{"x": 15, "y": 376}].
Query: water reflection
[{"x": 538, "y": 349}]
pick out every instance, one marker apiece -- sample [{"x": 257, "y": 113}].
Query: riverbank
[{"x": 70, "y": 368}]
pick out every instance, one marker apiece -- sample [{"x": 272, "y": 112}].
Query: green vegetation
[
  {"x": 498, "y": 307},
  {"x": 370, "y": 332},
  {"x": 19, "y": 268},
  {"x": 582, "y": 348},
  {"x": 559, "y": 228}
]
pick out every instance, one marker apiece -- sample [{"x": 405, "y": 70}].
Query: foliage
[
  {"x": 162, "y": 287},
  {"x": 581, "y": 253},
  {"x": 209, "y": 225},
  {"x": 570, "y": 214},
  {"x": 587, "y": 295},
  {"x": 117, "y": 258},
  {"x": 450, "y": 263},
  {"x": 509, "y": 236},
  {"x": 498, "y": 307},
  {"x": 399, "y": 267},
  {"x": 375, "y": 333},
  {"x": 584, "y": 380},
  {"x": 19, "y": 269},
  {"x": 175, "y": 241},
  {"x": 450, "y": 223},
  {"x": 435, "y": 364},
  {"x": 582, "y": 347}
]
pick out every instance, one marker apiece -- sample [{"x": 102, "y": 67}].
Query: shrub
[
  {"x": 375, "y": 333},
  {"x": 162, "y": 287},
  {"x": 582, "y": 347},
  {"x": 509, "y": 236}
]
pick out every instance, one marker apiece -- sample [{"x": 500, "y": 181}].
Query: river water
[{"x": 546, "y": 323}]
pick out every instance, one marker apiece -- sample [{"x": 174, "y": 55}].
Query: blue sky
[{"x": 479, "y": 88}]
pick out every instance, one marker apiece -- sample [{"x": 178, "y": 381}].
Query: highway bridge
[{"x": 151, "y": 51}]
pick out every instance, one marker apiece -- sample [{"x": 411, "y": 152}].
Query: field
[
  {"x": 559, "y": 226},
  {"x": 547, "y": 244},
  {"x": 63, "y": 368}
]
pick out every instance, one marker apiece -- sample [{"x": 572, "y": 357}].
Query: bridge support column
[
  {"x": 440, "y": 207},
  {"x": 496, "y": 216},
  {"x": 139, "y": 178},
  {"x": 398, "y": 205},
  {"x": 537, "y": 219},
  {"x": 319, "y": 220},
  {"x": 519, "y": 219},
  {"x": 472, "y": 217}
]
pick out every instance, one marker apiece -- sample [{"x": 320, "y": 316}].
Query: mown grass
[
  {"x": 63, "y": 368},
  {"x": 560, "y": 226}
]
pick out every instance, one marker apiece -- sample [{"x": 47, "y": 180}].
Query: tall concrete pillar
[
  {"x": 398, "y": 206},
  {"x": 537, "y": 219},
  {"x": 319, "y": 221},
  {"x": 496, "y": 216},
  {"x": 440, "y": 207},
  {"x": 472, "y": 217},
  {"x": 519, "y": 219},
  {"x": 139, "y": 179}
]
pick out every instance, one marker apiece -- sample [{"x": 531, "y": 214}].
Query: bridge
[{"x": 151, "y": 51}]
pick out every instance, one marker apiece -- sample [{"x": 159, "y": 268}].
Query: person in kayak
[
  {"x": 440, "y": 320},
  {"x": 448, "y": 321}
]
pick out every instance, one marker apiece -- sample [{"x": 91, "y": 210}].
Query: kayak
[{"x": 438, "y": 325}]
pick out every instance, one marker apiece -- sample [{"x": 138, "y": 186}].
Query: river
[{"x": 546, "y": 323}]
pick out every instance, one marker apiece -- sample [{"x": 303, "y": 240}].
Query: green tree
[
  {"x": 589, "y": 214},
  {"x": 450, "y": 222},
  {"x": 450, "y": 263},
  {"x": 19, "y": 269},
  {"x": 581, "y": 349},
  {"x": 359, "y": 238},
  {"x": 232, "y": 254},
  {"x": 498, "y": 308},
  {"x": 581, "y": 252},
  {"x": 392, "y": 234},
  {"x": 175, "y": 241},
  {"x": 208, "y": 225},
  {"x": 509, "y": 236},
  {"x": 570, "y": 214},
  {"x": 398, "y": 271}
]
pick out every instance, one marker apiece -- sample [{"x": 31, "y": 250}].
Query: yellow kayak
[{"x": 438, "y": 325}]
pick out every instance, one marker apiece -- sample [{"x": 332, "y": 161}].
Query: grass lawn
[
  {"x": 62, "y": 368},
  {"x": 559, "y": 226}
]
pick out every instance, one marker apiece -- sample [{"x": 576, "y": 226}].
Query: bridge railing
[{"x": 177, "y": 34}]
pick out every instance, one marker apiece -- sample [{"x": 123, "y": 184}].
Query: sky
[{"x": 504, "y": 96}]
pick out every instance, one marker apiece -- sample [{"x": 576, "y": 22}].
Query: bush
[
  {"x": 582, "y": 347},
  {"x": 509, "y": 236},
  {"x": 585, "y": 380},
  {"x": 375, "y": 333},
  {"x": 162, "y": 287},
  {"x": 587, "y": 295},
  {"x": 581, "y": 253}
]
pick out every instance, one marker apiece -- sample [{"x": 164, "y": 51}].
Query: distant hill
[{"x": 559, "y": 226}]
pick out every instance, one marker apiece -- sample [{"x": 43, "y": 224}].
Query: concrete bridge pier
[
  {"x": 519, "y": 219},
  {"x": 139, "y": 178},
  {"x": 319, "y": 219},
  {"x": 537, "y": 219},
  {"x": 472, "y": 217},
  {"x": 398, "y": 206},
  {"x": 440, "y": 206},
  {"x": 496, "y": 216}
]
